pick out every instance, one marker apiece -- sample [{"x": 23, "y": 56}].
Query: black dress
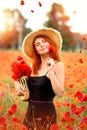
[{"x": 41, "y": 110}]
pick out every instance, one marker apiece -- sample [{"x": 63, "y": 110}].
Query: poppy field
[{"x": 71, "y": 109}]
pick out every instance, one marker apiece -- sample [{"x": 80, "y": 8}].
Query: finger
[
  {"x": 20, "y": 81},
  {"x": 20, "y": 94},
  {"x": 22, "y": 88}
]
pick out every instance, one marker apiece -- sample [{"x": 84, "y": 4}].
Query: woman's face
[{"x": 41, "y": 45}]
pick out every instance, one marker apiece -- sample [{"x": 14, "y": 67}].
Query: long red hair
[{"x": 36, "y": 57}]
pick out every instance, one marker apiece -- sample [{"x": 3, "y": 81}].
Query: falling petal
[
  {"x": 22, "y": 2},
  {"x": 80, "y": 51},
  {"x": 84, "y": 38},
  {"x": 39, "y": 4},
  {"x": 32, "y": 11},
  {"x": 80, "y": 60},
  {"x": 71, "y": 43}
]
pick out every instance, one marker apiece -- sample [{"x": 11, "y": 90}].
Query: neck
[{"x": 44, "y": 58}]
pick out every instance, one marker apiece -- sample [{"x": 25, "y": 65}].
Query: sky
[{"x": 76, "y": 9}]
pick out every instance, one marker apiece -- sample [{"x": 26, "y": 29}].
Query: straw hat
[{"x": 52, "y": 34}]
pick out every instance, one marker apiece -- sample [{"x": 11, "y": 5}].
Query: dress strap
[
  {"x": 51, "y": 68},
  {"x": 47, "y": 72}
]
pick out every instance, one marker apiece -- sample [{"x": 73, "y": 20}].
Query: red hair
[{"x": 36, "y": 57}]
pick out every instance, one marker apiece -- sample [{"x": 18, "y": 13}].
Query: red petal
[
  {"x": 22, "y": 2},
  {"x": 84, "y": 38},
  {"x": 40, "y": 4},
  {"x": 52, "y": 48},
  {"x": 32, "y": 11},
  {"x": 19, "y": 58},
  {"x": 80, "y": 60}
]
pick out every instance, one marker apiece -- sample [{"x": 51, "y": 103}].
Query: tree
[
  {"x": 58, "y": 20},
  {"x": 15, "y": 28}
]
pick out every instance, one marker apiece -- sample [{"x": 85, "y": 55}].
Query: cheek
[
  {"x": 37, "y": 49},
  {"x": 47, "y": 44}
]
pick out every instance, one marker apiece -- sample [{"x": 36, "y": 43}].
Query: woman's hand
[
  {"x": 19, "y": 89},
  {"x": 50, "y": 62}
]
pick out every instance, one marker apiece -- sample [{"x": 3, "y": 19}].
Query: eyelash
[{"x": 39, "y": 43}]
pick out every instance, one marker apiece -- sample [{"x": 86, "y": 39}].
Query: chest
[{"x": 43, "y": 71}]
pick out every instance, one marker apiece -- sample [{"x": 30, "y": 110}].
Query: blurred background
[{"x": 19, "y": 17}]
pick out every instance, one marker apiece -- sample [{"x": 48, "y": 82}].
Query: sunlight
[
  {"x": 2, "y": 22},
  {"x": 77, "y": 15},
  {"x": 5, "y": 23},
  {"x": 36, "y": 15}
]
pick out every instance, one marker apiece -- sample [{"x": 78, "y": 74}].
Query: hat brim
[{"x": 52, "y": 34}]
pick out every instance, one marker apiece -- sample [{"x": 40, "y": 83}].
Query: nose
[{"x": 42, "y": 44}]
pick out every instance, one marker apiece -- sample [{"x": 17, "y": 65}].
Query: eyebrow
[{"x": 36, "y": 43}]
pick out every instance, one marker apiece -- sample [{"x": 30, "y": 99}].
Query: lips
[{"x": 43, "y": 48}]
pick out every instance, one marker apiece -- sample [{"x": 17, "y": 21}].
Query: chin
[{"x": 45, "y": 52}]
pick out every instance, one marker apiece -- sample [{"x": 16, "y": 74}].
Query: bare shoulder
[{"x": 59, "y": 64}]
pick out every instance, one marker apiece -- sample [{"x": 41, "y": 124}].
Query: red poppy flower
[
  {"x": 84, "y": 119},
  {"x": 54, "y": 127},
  {"x": 12, "y": 109},
  {"x": 23, "y": 127},
  {"x": 3, "y": 120},
  {"x": 73, "y": 108},
  {"x": 80, "y": 95},
  {"x": 80, "y": 60},
  {"x": 52, "y": 48},
  {"x": 85, "y": 98},
  {"x": 20, "y": 68},
  {"x": 15, "y": 119}
]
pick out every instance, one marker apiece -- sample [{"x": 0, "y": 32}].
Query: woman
[{"x": 43, "y": 46}]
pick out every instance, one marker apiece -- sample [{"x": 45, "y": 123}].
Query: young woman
[{"x": 46, "y": 81}]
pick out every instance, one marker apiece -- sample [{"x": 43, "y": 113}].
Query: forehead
[
  {"x": 38, "y": 39},
  {"x": 42, "y": 37}
]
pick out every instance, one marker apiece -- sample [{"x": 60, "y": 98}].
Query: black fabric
[
  {"x": 40, "y": 88},
  {"x": 40, "y": 102},
  {"x": 37, "y": 113}
]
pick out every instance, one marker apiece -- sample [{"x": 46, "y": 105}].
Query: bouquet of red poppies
[
  {"x": 20, "y": 71},
  {"x": 20, "y": 68}
]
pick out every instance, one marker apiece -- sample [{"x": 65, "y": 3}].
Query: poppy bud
[{"x": 19, "y": 58}]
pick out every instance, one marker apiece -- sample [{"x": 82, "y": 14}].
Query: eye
[
  {"x": 43, "y": 40},
  {"x": 37, "y": 44}
]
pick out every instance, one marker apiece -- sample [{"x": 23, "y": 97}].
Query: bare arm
[{"x": 56, "y": 76}]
